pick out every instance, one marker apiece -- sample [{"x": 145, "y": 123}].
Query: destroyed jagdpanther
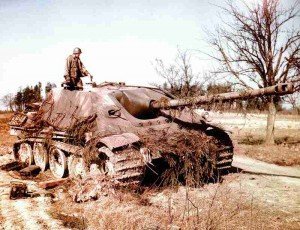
[{"x": 123, "y": 131}]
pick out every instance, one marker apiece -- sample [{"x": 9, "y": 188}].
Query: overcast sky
[{"x": 119, "y": 39}]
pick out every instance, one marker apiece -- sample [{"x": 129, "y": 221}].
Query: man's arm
[
  {"x": 67, "y": 69},
  {"x": 84, "y": 71}
]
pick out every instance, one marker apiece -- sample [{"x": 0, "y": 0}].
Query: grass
[
  {"x": 218, "y": 207},
  {"x": 69, "y": 220},
  {"x": 286, "y": 151},
  {"x": 279, "y": 155},
  {"x": 6, "y": 140}
]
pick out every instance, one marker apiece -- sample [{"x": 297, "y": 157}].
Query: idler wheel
[
  {"x": 58, "y": 162},
  {"x": 40, "y": 155},
  {"x": 24, "y": 154}
]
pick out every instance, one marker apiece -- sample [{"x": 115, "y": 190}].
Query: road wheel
[
  {"x": 25, "y": 155},
  {"x": 76, "y": 166},
  {"x": 40, "y": 155},
  {"x": 58, "y": 162}
]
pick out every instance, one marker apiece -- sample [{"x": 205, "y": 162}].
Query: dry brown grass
[
  {"x": 286, "y": 151},
  {"x": 5, "y": 139},
  {"x": 217, "y": 207},
  {"x": 191, "y": 155},
  {"x": 280, "y": 155}
]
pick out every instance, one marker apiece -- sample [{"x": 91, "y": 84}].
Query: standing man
[{"x": 75, "y": 70}]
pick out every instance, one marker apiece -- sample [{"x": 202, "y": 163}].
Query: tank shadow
[{"x": 155, "y": 176}]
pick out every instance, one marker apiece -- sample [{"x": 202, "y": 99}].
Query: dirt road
[
  {"x": 30, "y": 213},
  {"x": 250, "y": 165}
]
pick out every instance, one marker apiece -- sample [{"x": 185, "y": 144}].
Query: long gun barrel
[{"x": 280, "y": 89}]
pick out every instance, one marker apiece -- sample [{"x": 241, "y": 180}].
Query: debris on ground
[
  {"x": 18, "y": 190},
  {"x": 92, "y": 188},
  {"x": 15, "y": 175},
  {"x": 52, "y": 183},
  {"x": 11, "y": 166},
  {"x": 32, "y": 170}
]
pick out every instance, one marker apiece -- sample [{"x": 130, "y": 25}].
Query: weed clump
[{"x": 191, "y": 156}]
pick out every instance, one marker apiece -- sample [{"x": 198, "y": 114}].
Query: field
[
  {"x": 6, "y": 140},
  {"x": 248, "y": 131},
  {"x": 240, "y": 201}
]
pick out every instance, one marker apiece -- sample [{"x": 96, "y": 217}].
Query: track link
[
  {"x": 128, "y": 166},
  {"x": 225, "y": 157}
]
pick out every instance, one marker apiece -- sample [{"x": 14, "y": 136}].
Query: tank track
[
  {"x": 225, "y": 157},
  {"x": 224, "y": 151},
  {"x": 127, "y": 166},
  {"x": 130, "y": 168}
]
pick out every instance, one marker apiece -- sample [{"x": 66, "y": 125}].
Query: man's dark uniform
[{"x": 74, "y": 71}]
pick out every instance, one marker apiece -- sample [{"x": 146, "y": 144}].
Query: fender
[{"x": 119, "y": 140}]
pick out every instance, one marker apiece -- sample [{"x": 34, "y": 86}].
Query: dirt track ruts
[{"x": 28, "y": 213}]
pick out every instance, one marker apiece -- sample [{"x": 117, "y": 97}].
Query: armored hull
[{"x": 122, "y": 132}]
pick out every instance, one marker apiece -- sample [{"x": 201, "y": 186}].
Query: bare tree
[
  {"x": 49, "y": 86},
  {"x": 294, "y": 101},
  {"x": 8, "y": 101},
  {"x": 170, "y": 74},
  {"x": 180, "y": 78},
  {"x": 259, "y": 47}
]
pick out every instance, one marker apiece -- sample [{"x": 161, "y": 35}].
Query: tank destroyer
[{"x": 123, "y": 131}]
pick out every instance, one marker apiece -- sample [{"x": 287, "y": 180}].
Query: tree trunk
[
  {"x": 11, "y": 107},
  {"x": 271, "y": 122}
]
